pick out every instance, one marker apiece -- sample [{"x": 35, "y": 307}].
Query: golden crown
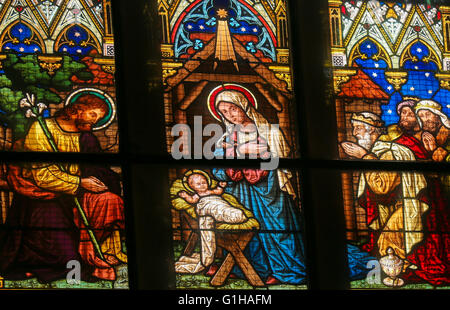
[
  {"x": 411, "y": 98},
  {"x": 367, "y": 120}
]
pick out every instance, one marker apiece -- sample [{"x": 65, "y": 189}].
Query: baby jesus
[
  {"x": 209, "y": 202},
  {"x": 210, "y": 208}
]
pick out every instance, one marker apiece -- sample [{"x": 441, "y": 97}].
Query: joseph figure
[{"x": 44, "y": 230}]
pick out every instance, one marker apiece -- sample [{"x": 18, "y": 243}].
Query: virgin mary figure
[{"x": 277, "y": 251}]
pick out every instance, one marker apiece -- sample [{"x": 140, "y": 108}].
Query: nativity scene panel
[
  {"x": 236, "y": 229},
  {"x": 227, "y": 62},
  {"x": 233, "y": 44},
  {"x": 57, "y": 94},
  {"x": 391, "y": 90}
]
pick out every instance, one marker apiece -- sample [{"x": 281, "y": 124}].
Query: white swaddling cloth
[
  {"x": 216, "y": 207},
  {"x": 209, "y": 209}
]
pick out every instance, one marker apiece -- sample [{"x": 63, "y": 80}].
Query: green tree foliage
[{"x": 22, "y": 75}]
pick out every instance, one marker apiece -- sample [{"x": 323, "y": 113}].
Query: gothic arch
[
  {"x": 355, "y": 53},
  {"x": 180, "y": 18},
  {"x": 164, "y": 15},
  {"x": 91, "y": 41},
  {"x": 434, "y": 56},
  {"x": 282, "y": 29},
  {"x": 36, "y": 38}
]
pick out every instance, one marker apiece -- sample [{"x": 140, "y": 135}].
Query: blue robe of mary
[{"x": 277, "y": 249}]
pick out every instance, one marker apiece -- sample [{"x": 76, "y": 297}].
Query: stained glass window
[
  {"x": 390, "y": 63},
  {"x": 390, "y": 77},
  {"x": 227, "y": 63},
  {"x": 213, "y": 46},
  {"x": 56, "y": 58},
  {"x": 245, "y": 233},
  {"x": 62, "y": 224},
  {"x": 399, "y": 220}
]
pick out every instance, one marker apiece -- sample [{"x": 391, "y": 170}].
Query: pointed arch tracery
[
  {"x": 21, "y": 37},
  {"x": 76, "y": 40},
  {"x": 420, "y": 50},
  {"x": 362, "y": 50}
]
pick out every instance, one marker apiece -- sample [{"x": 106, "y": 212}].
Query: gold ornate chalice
[{"x": 392, "y": 266}]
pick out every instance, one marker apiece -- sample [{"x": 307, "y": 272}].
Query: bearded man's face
[
  {"x": 430, "y": 121},
  {"x": 87, "y": 118},
  {"x": 363, "y": 133},
  {"x": 408, "y": 121}
]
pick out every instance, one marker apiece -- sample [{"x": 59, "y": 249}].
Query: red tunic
[
  {"x": 105, "y": 213},
  {"x": 432, "y": 255},
  {"x": 414, "y": 145}
]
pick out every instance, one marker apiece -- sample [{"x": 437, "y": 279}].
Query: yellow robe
[
  {"x": 50, "y": 176},
  {"x": 390, "y": 218},
  {"x": 400, "y": 225}
]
